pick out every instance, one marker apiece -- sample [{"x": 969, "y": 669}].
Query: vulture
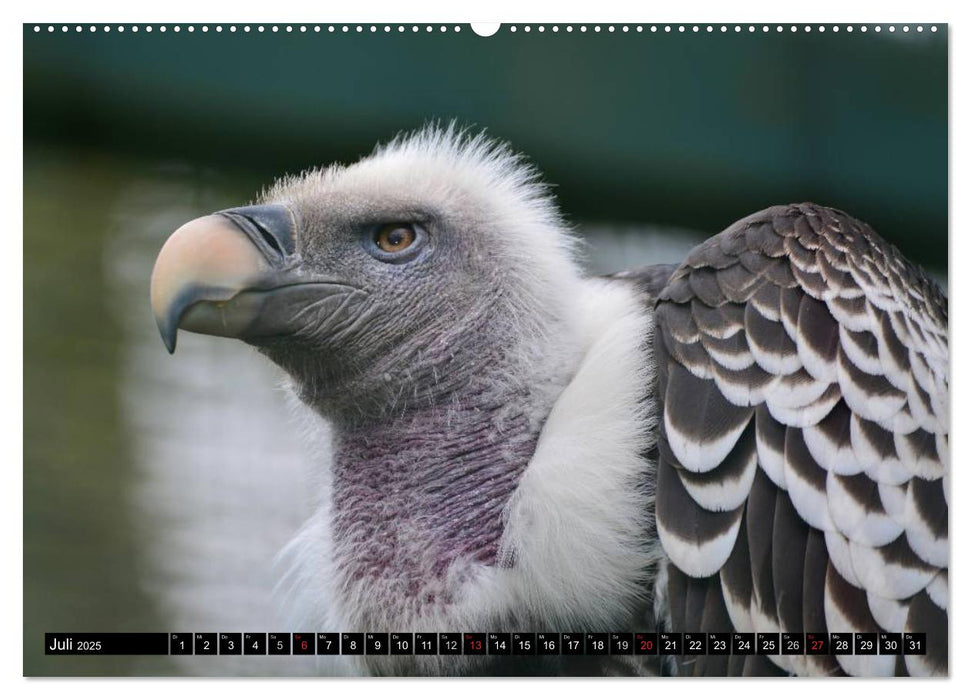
[{"x": 752, "y": 441}]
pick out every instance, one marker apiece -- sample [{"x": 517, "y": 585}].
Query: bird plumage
[
  {"x": 803, "y": 375},
  {"x": 506, "y": 430}
]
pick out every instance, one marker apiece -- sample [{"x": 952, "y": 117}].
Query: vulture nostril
[
  {"x": 271, "y": 241},
  {"x": 269, "y": 226}
]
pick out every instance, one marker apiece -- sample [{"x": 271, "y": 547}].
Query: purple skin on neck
[{"x": 416, "y": 494}]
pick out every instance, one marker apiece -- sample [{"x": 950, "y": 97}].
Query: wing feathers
[{"x": 804, "y": 451}]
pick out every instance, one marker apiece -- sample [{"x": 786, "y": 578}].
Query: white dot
[
  {"x": 597, "y": 28},
  {"x": 161, "y": 29},
  {"x": 792, "y": 28},
  {"x": 751, "y": 29},
  {"x": 724, "y": 29},
  {"x": 373, "y": 28},
  {"x": 344, "y": 28},
  {"x": 526, "y": 28},
  {"x": 232, "y": 27},
  {"x": 303, "y": 28},
  {"x": 51, "y": 29},
  {"x": 906, "y": 28},
  {"x": 78, "y": 28},
  {"x": 556, "y": 28},
  {"x": 765, "y": 28},
  {"x": 610, "y": 28},
  {"x": 709, "y": 28},
  {"x": 694, "y": 28},
  {"x": 569, "y": 29},
  {"x": 807, "y": 29},
  {"x": 414, "y": 28},
  {"x": 176, "y": 29},
  {"x": 400, "y": 28},
  {"x": 878, "y": 28},
  {"x": 583, "y": 28},
  {"x": 134, "y": 29},
  {"x": 122, "y": 29},
  {"x": 893, "y": 28},
  {"x": 863, "y": 28},
  {"x": 653, "y": 28},
  {"x": 920, "y": 28},
  {"x": 640, "y": 28},
  {"x": 512, "y": 28},
  {"x": 822, "y": 28},
  {"x": 246, "y": 28},
  {"x": 667, "y": 28},
  {"x": 737, "y": 28},
  {"x": 317, "y": 28},
  {"x": 458, "y": 28},
  {"x": 626, "y": 28},
  {"x": 261, "y": 28},
  {"x": 93, "y": 28},
  {"x": 836, "y": 29},
  {"x": 934, "y": 29},
  {"x": 428, "y": 28},
  {"x": 681, "y": 28},
  {"x": 849, "y": 28},
  {"x": 779, "y": 28}
]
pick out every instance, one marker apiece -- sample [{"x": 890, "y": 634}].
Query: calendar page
[{"x": 514, "y": 349}]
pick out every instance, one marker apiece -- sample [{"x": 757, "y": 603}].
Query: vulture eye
[
  {"x": 394, "y": 238},
  {"x": 395, "y": 243}
]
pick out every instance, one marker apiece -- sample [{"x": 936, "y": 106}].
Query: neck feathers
[{"x": 415, "y": 496}]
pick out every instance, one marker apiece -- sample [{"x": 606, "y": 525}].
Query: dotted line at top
[{"x": 428, "y": 28}]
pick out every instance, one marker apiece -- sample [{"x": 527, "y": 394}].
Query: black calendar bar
[
  {"x": 92, "y": 644},
  {"x": 485, "y": 643}
]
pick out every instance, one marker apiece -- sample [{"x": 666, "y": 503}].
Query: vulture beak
[{"x": 231, "y": 274}]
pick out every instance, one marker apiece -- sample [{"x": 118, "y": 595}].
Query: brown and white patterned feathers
[{"x": 803, "y": 452}]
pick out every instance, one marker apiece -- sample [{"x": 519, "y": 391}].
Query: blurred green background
[{"x": 129, "y": 134}]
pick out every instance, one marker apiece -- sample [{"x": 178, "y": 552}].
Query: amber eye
[{"x": 394, "y": 238}]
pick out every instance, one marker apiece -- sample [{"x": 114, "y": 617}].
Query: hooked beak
[{"x": 230, "y": 274}]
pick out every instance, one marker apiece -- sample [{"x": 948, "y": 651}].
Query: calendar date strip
[{"x": 484, "y": 643}]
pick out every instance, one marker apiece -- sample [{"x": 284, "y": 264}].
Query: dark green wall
[{"x": 686, "y": 129}]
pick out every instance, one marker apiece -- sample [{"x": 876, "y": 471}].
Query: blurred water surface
[{"x": 158, "y": 489}]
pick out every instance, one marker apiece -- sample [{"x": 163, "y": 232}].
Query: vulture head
[
  {"x": 425, "y": 302},
  {"x": 385, "y": 285}
]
